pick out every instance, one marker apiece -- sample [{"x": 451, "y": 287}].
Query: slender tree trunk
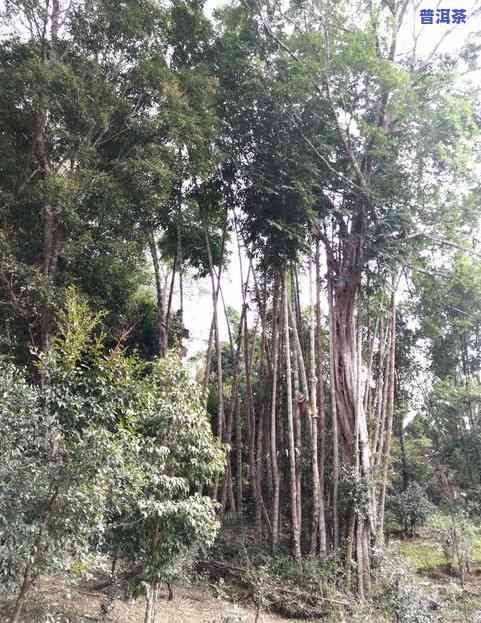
[
  {"x": 238, "y": 452},
  {"x": 297, "y": 298},
  {"x": 360, "y": 558},
  {"x": 335, "y": 433},
  {"x": 234, "y": 413},
  {"x": 302, "y": 367},
  {"x": 388, "y": 433},
  {"x": 161, "y": 329},
  {"x": 22, "y": 596},
  {"x": 169, "y": 302},
  {"x": 28, "y": 575},
  {"x": 281, "y": 437},
  {"x": 205, "y": 381},
  {"x": 404, "y": 460},
  {"x": 220, "y": 382},
  {"x": 367, "y": 390},
  {"x": 251, "y": 419},
  {"x": 298, "y": 438},
  {"x": 220, "y": 397},
  {"x": 51, "y": 231},
  {"x": 149, "y": 603},
  {"x": 264, "y": 459},
  {"x": 180, "y": 251},
  {"x": 303, "y": 399},
  {"x": 218, "y": 350},
  {"x": 321, "y": 411},
  {"x": 367, "y": 562},
  {"x": 273, "y": 428},
  {"x": 355, "y": 459},
  {"x": 290, "y": 427},
  {"x": 382, "y": 403},
  {"x": 349, "y": 548},
  {"x": 241, "y": 340},
  {"x": 361, "y": 467},
  {"x": 230, "y": 493},
  {"x": 259, "y": 473},
  {"x": 269, "y": 484},
  {"x": 316, "y": 488}
]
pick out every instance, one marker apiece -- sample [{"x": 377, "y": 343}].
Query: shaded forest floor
[{"x": 58, "y": 599}]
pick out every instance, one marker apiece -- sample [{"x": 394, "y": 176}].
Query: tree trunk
[
  {"x": 387, "y": 437},
  {"x": 404, "y": 459},
  {"x": 321, "y": 411},
  {"x": 349, "y": 548},
  {"x": 205, "y": 380},
  {"x": 273, "y": 427},
  {"x": 234, "y": 413},
  {"x": 51, "y": 238},
  {"x": 51, "y": 231},
  {"x": 263, "y": 449},
  {"x": 349, "y": 404},
  {"x": 28, "y": 575},
  {"x": 161, "y": 328},
  {"x": 238, "y": 455},
  {"x": 261, "y": 452},
  {"x": 242, "y": 344},
  {"x": 22, "y": 596},
  {"x": 382, "y": 400},
  {"x": 303, "y": 401},
  {"x": 251, "y": 419},
  {"x": 367, "y": 561},
  {"x": 298, "y": 438},
  {"x": 302, "y": 368},
  {"x": 169, "y": 301},
  {"x": 218, "y": 350},
  {"x": 335, "y": 433},
  {"x": 316, "y": 488},
  {"x": 361, "y": 563},
  {"x": 149, "y": 603},
  {"x": 290, "y": 427}
]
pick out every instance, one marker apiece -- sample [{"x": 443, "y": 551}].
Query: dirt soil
[{"x": 55, "y": 601}]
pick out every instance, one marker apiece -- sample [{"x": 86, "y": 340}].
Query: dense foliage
[{"x": 108, "y": 452}]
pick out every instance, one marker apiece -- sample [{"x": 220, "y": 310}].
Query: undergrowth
[{"x": 315, "y": 589}]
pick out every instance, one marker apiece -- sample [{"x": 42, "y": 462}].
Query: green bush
[
  {"x": 401, "y": 597},
  {"x": 411, "y": 508},
  {"x": 107, "y": 451}
]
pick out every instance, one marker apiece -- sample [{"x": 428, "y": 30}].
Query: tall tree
[
  {"x": 107, "y": 110},
  {"x": 330, "y": 129}
]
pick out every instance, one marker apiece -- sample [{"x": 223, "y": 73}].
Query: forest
[{"x": 240, "y": 310}]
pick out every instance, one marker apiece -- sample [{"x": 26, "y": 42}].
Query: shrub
[
  {"x": 107, "y": 451},
  {"x": 411, "y": 508},
  {"x": 54, "y": 481},
  {"x": 456, "y": 533},
  {"x": 402, "y": 597}
]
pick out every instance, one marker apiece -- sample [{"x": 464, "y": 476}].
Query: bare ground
[{"x": 54, "y": 601}]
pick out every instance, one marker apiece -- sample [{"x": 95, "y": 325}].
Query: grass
[
  {"x": 425, "y": 558},
  {"x": 422, "y": 555},
  {"x": 425, "y": 553}
]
